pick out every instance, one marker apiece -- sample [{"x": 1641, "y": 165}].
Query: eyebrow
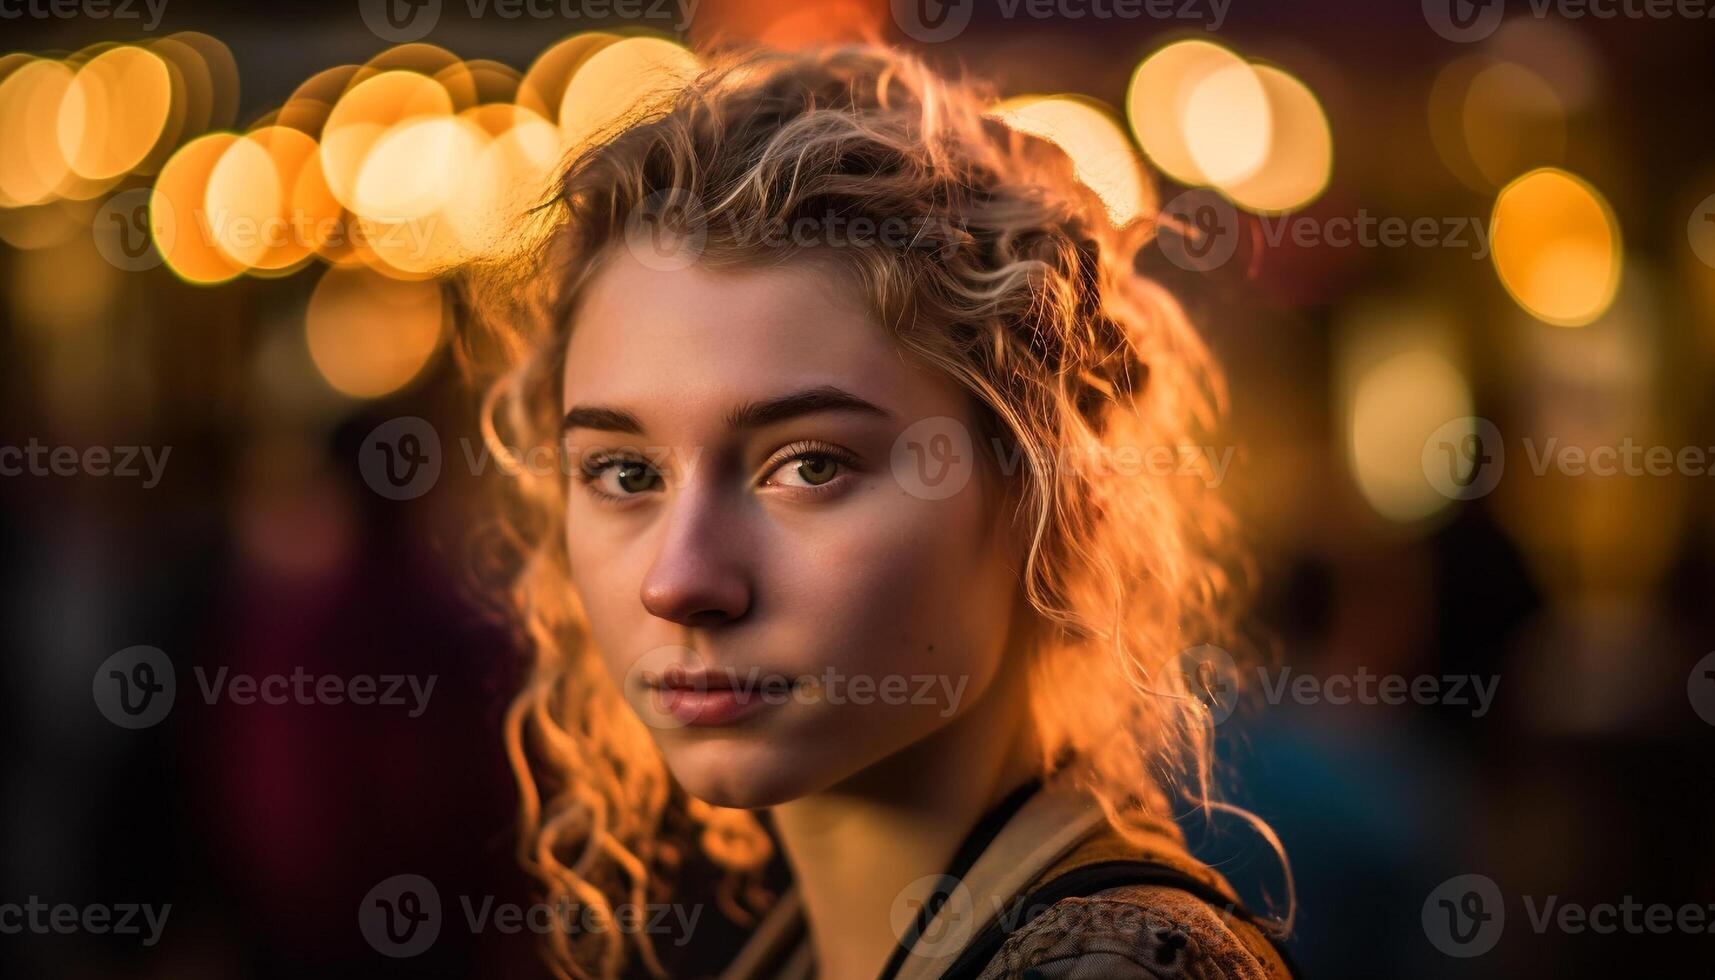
[{"x": 750, "y": 415}]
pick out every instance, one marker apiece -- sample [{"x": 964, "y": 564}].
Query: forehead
[{"x": 643, "y": 336}]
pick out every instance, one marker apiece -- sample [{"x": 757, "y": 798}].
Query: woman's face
[{"x": 787, "y": 579}]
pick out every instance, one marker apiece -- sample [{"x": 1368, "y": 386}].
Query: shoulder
[{"x": 1136, "y": 932}]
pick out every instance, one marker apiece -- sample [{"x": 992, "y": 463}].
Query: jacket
[{"x": 1181, "y": 921}]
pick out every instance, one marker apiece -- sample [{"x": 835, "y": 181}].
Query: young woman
[{"x": 847, "y": 556}]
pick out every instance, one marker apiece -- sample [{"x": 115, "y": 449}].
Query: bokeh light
[
  {"x": 1396, "y": 406},
  {"x": 179, "y": 219},
  {"x": 33, "y": 167},
  {"x": 1556, "y": 245},
  {"x": 1300, "y": 157},
  {"x": 1102, "y": 156},
  {"x": 256, "y": 215},
  {"x": 1206, "y": 116},
  {"x": 617, "y": 82},
  {"x": 369, "y": 334},
  {"x": 1158, "y": 103},
  {"x": 1227, "y": 124},
  {"x": 1512, "y": 121},
  {"x": 114, "y": 112},
  {"x": 363, "y": 116},
  {"x": 543, "y": 86}
]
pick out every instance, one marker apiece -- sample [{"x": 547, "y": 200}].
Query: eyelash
[{"x": 590, "y": 471}]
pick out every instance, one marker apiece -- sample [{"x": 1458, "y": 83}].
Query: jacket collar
[{"x": 1047, "y": 827}]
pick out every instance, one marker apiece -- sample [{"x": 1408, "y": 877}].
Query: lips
[
  {"x": 752, "y": 679},
  {"x": 703, "y": 697}
]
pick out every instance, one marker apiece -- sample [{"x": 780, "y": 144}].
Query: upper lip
[{"x": 676, "y": 678}]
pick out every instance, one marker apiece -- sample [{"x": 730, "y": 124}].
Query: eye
[
  {"x": 619, "y": 477},
  {"x": 817, "y": 470},
  {"x": 811, "y": 467}
]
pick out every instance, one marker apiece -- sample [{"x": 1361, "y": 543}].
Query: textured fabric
[
  {"x": 1128, "y": 932},
  {"x": 1138, "y": 931},
  {"x": 1135, "y": 933}
]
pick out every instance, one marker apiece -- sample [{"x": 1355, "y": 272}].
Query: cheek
[
  {"x": 904, "y": 585},
  {"x": 607, "y": 588}
]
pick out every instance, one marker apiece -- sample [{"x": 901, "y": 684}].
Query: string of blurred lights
[{"x": 387, "y": 174}]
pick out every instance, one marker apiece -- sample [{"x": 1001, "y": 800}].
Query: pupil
[
  {"x": 633, "y": 477},
  {"x": 816, "y": 471}
]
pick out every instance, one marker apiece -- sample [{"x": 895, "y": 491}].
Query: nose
[{"x": 698, "y": 578}]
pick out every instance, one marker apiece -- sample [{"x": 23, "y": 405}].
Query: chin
[{"x": 728, "y": 771}]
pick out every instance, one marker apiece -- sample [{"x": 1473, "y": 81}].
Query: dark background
[{"x": 262, "y": 549}]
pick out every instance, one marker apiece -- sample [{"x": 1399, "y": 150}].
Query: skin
[{"x": 722, "y": 548}]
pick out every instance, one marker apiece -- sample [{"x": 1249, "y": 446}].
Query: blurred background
[{"x": 1458, "y": 261}]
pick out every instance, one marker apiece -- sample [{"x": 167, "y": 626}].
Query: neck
[{"x": 866, "y": 845}]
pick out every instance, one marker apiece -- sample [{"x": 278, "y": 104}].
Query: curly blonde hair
[{"x": 1017, "y": 283}]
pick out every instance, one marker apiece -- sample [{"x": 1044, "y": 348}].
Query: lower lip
[{"x": 710, "y": 708}]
